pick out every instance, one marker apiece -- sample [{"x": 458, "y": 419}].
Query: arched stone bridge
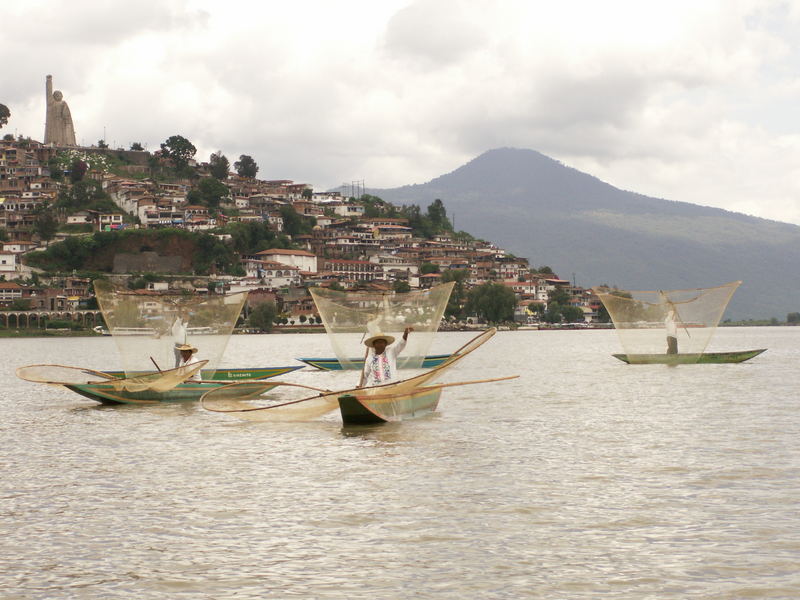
[{"x": 38, "y": 318}]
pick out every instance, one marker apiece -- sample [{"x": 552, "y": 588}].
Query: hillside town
[{"x": 347, "y": 245}]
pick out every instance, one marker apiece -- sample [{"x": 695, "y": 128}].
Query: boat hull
[
  {"x": 358, "y": 409},
  {"x": 105, "y": 393},
  {"x": 333, "y": 364},
  {"x": 687, "y": 359},
  {"x": 225, "y": 374}
]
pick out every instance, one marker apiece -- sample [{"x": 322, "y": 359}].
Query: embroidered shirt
[{"x": 382, "y": 368}]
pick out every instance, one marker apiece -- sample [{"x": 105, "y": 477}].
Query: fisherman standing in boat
[
  {"x": 672, "y": 331},
  {"x": 380, "y": 364},
  {"x": 188, "y": 358}
]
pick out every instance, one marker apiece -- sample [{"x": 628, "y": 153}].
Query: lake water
[{"x": 584, "y": 478}]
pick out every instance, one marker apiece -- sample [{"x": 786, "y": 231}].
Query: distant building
[
  {"x": 8, "y": 262},
  {"x": 354, "y": 270},
  {"x": 302, "y": 259}
]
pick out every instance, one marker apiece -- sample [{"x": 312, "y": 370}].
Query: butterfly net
[
  {"x": 678, "y": 322},
  {"x": 66, "y": 375},
  {"x": 352, "y": 317},
  {"x": 263, "y": 401},
  {"x": 147, "y": 327}
]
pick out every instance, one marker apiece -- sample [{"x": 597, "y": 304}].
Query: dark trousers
[{"x": 672, "y": 345}]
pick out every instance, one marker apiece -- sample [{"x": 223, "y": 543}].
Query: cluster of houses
[{"x": 344, "y": 246}]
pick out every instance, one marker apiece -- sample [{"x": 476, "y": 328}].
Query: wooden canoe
[
  {"x": 361, "y": 409},
  {"x": 236, "y": 374},
  {"x": 394, "y": 401},
  {"x": 107, "y": 393},
  {"x": 687, "y": 359},
  {"x": 333, "y": 364}
]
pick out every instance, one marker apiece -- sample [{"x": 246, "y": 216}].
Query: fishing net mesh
[
  {"x": 65, "y": 375},
  {"x": 255, "y": 401},
  {"x": 61, "y": 374},
  {"x": 148, "y": 326},
  {"x": 644, "y": 320},
  {"x": 249, "y": 401},
  {"x": 157, "y": 382},
  {"x": 351, "y": 317}
]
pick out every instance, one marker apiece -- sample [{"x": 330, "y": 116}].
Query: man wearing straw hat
[
  {"x": 380, "y": 364},
  {"x": 188, "y": 358},
  {"x": 670, "y": 323}
]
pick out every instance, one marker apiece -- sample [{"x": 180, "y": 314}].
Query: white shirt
[
  {"x": 669, "y": 323},
  {"x": 382, "y": 368},
  {"x": 191, "y": 360}
]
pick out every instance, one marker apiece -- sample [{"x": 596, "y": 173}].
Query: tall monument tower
[{"x": 58, "y": 128}]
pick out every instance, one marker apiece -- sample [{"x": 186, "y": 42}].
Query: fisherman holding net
[
  {"x": 670, "y": 324},
  {"x": 672, "y": 331},
  {"x": 380, "y": 365},
  {"x": 188, "y": 358}
]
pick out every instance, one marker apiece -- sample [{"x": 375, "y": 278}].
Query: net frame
[
  {"x": 158, "y": 381},
  {"x": 350, "y": 317},
  {"x": 235, "y": 397},
  {"x": 147, "y": 327},
  {"x": 646, "y": 319}
]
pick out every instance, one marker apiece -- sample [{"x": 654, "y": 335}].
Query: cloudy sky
[{"x": 692, "y": 100}]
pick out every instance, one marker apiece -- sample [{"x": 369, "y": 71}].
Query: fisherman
[
  {"x": 672, "y": 331},
  {"x": 670, "y": 323},
  {"x": 188, "y": 358},
  {"x": 380, "y": 365}
]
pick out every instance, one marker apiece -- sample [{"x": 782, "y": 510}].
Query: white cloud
[{"x": 693, "y": 101}]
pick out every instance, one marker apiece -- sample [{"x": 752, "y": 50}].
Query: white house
[
  {"x": 18, "y": 247},
  {"x": 303, "y": 260},
  {"x": 348, "y": 210},
  {"x": 8, "y": 262},
  {"x": 274, "y": 274},
  {"x": 79, "y": 218}
]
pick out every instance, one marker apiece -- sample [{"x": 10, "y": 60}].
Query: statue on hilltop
[{"x": 58, "y": 128}]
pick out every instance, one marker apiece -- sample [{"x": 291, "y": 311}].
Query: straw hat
[
  {"x": 183, "y": 347},
  {"x": 378, "y": 336}
]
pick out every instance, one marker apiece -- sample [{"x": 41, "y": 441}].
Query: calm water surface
[{"x": 585, "y": 478}]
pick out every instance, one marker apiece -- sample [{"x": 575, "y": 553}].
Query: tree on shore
[
  {"x": 219, "y": 166},
  {"x": 209, "y": 192},
  {"x": 46, "y": 224},
  {"x": 294, "y": 223},
  {"x": 137, "y": 147},
  {"x": 493, "y": 302},
  {"x": 85, "y": 194},
  {"x": 77, "y": 170},
  {"x": 455, "y": 305},
  {"x": 179, "y": 150},
  {"x": 246, "y": 166},
  {"x": 263, "y": 316},
  {"x": 437, "y": 215},
  {"x": 5, "y": 114}
]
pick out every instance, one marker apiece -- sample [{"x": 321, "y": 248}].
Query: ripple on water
[{"x": 584, "y": 478}]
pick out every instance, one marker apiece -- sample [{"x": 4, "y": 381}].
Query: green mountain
[{"x": 595, "y": 233}]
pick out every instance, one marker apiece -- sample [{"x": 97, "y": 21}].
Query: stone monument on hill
[{"x": 58, "y": 128}]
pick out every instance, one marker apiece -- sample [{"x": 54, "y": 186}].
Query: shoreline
[{"x": 51, "y": 333}]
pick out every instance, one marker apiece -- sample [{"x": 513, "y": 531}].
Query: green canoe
[
  {"x": 333, "y": 364},
  {"x": 361, "y": 409},
  {"x": 106, "y": 393},
  {"x": 688, "y": 359},
  {"x": 236, "y": 374}
]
